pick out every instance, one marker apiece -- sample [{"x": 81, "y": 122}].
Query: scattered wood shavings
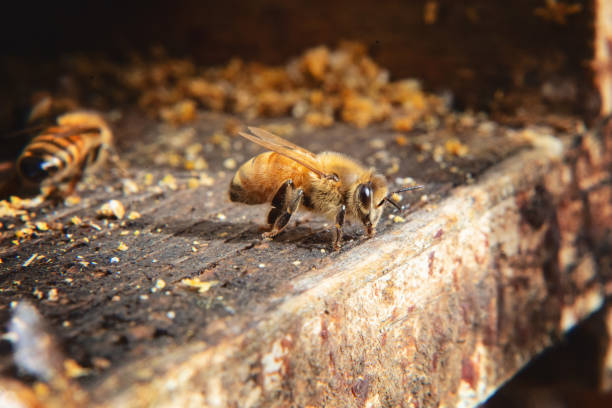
[
  {"x": 122, "y": 247},
  {"x": 52, "y": 295},
  {"x": 319, "y": 119},
  {"x": 197, "y": 284},
  {"x": 393, "y": 169},
  {"x": 180, "y": 113},
  {"x": 230, "y": 163},
  {"x": 37, "y": 293},
  {"x": 456, "y": 148},
  {"x": 134, "y": 215},
  {"x": 129, "y": 186},
  {"x": 42, "y": 226},
  {"x": 221, "y": 140},
  {"x": 398, "y": 219},
  {"x": 198, "y": 163},
  {"x": 24, "y": 232},
  {"x": 30, "y": 260},
  {"x": 76, "y": 220},
  {"x": 148, "y": 179},
  {"x": 281, "y": 129},
  {"x": 74, "y": 370},
  {"x": 401, "y": 140},
  {"x": 206, "y": 180},
  {"x": 112, "y": 209},
  {"x": 72, "y": 200},
  {"x": 7, "y": 209},
  {"x": 160, "y": 284},
  {"x": 403, "y": 124},
  {"x": 377, "y": 143},
  {"x": 100, "y": 363},
  {"x": 193, "y": 183},
  {"x": 168, "y": 181}
]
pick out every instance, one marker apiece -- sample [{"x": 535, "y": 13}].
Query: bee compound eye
[{"x": 365, "y": 195}]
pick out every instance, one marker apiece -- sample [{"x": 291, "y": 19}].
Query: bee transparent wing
[
  {"x": 21, "y": 132},
  {"x": 75, "y": 130},
  {"x": 281, "y": 146}
]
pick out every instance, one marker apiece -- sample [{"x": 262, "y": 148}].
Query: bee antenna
[
  {"x": 20, "y": 132},
  {"x": 406, "y": 189},
  {"x": 393, "y": 203}
]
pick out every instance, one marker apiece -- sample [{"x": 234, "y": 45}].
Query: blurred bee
[
  {"x": 58, "y": 156},
  {"x": 328, "y": 183}
]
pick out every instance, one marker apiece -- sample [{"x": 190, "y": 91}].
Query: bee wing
[
  {"x": 279, "y": 145},
  {"x": 75, "y": 130},
  {"x": 60, "y": 132},
  {"x": 21, "y": 132}
]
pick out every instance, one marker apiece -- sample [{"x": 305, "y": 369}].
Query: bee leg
[
  {"x": 74, "y": 180},
  {"x": 338, "y": 228},
  {"x": 285, "y": 202},
  {"x": 67, "y": 192}
]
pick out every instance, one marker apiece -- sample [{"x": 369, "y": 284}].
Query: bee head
[
  {"x": 369, "y": 199},
  {"x": 36, "y": 169}
]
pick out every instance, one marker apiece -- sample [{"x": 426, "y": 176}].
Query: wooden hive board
[{"x": 502, "y": 252}]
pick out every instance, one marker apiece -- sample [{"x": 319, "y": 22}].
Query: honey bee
[
  {"x": 328, "y": 183},
  {"x": 60, "y": 154}
]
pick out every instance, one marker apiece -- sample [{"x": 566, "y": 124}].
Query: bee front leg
[
  {"x": 338, "y": 228},
  {"x": 60, "y": 191},
  {"x": 286, "y": 201},
  {"x": 78, "y": 175}
]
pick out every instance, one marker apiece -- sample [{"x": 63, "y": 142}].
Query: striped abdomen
[
  {"x": 60, "y": 152},
  {"x": 257, "y": 180}
]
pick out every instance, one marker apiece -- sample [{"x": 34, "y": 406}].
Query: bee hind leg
[{"x": 285, "y": 203}]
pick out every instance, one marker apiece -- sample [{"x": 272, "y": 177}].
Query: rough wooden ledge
[{"x": 437, "y": 311}]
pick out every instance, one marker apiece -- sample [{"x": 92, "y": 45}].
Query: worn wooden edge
[
  {"x": 601, "y": 62},
  {"x": 451, "y": 306}
]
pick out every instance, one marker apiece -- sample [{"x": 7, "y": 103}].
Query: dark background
[{"x": 474, "y": 47}]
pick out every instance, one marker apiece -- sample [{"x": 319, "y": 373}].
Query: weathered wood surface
[{"x": 509, "y": 250}]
